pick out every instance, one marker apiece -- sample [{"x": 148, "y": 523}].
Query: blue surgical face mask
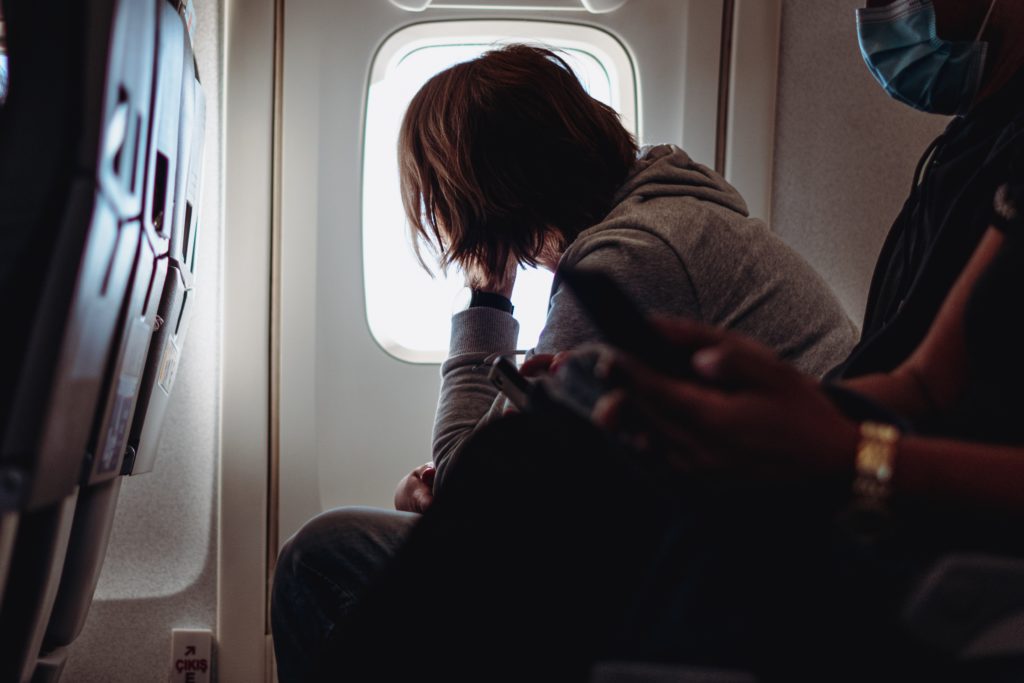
[{"x": 913, "y": 64}]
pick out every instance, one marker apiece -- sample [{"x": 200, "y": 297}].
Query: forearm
[
  {"x": 928, "y": 384},
  {"x": 898, "y": 392},
  {"x": 973, "y": 474},
  {"x": 468, "y": 399}
]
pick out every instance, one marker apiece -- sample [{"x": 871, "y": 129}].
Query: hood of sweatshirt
[{"x": 668, "y": 171}]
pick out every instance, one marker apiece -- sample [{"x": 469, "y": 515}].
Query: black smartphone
[
  {"x": 573, "y": 388},
  {"x": 505, "y": 375},
  {"x": 623, "y": 323}
]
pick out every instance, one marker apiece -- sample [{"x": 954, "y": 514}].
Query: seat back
[
  {"x": 152, "y": 291},
  {"x": 69, "y": 252},
  {"x": 70, "y": 188},
  {"x": 89, "y": 140},
  {"x": 71, "y": 155}
]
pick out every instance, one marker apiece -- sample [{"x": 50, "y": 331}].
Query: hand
[
  {"x": 748, "y": 411},
  {"x": 534, "y": 366},
  {"x": 415, "y": 492},
  {"x": 548, "y": 363},
  {"x": 540, "y": 364},
  {"x": 478, "y": 276}
]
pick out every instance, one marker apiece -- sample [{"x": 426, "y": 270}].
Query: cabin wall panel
[
  {"x": 160, "y": 570},
  {"x": 844, "y": 151}
]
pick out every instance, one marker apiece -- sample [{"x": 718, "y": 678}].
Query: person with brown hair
[{"x": 506, "y": 161}]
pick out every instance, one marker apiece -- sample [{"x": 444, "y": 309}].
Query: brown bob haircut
[{"x": 502, "y": 154}]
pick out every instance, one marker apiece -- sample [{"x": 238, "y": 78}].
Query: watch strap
[{"x": 490, "y": 300}]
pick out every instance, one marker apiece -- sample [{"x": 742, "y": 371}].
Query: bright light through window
[
  {"x": 3, "y": 61},
  {"x": 3, "y": 78},
  {"x": 409, "y": 312}
]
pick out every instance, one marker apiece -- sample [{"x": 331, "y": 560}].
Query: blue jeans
[{"x": 321, "y": 573}]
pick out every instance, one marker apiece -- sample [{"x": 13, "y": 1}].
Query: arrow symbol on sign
[{"x": 190, "y": 650}]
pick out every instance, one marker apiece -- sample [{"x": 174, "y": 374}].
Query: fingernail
[
  {"x": 706, "y": 361},
  {"x": 602, "y": 412}
]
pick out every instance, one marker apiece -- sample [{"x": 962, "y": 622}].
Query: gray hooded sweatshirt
[{"x": 679, "y": 240}]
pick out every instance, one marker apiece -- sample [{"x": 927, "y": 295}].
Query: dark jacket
[{"x": 941, "y": 224}]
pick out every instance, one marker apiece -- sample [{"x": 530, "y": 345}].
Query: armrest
[{"x": 970, "y": 605}]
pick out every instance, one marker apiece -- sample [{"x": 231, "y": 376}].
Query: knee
[
  {"x": 342, "y": 544},
  {"x": 321, "y": 571},
  {"x": 313, "y": 539}
]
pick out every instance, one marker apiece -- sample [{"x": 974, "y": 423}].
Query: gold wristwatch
[{"x": 875, "y": 454}]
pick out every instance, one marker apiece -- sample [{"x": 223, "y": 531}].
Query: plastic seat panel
[
  {"x": 121, "y": 165},
  {"x": 53, "y": 441},
  {"x": 128, "y": 365},
  {"x": 177, "y": 302},
  {"x": 161, "y": 165}
]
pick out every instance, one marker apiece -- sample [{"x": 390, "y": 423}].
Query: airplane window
[{"x": 408, "y": 311}]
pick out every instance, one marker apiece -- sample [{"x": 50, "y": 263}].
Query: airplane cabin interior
[{"x": 218, "y": 326}]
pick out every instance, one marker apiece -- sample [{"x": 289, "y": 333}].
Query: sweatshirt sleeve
[
  {"x": 641, "y": 262},
  {"x": 468, "y": 399}
]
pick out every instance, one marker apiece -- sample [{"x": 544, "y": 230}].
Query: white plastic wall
[{"x": 844, "y": 151}]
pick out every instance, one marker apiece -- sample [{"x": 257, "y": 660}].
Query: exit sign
[{"x": 191, "y": 656}]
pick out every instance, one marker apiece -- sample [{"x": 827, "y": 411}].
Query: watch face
[{"x": 461, "y": 300}]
